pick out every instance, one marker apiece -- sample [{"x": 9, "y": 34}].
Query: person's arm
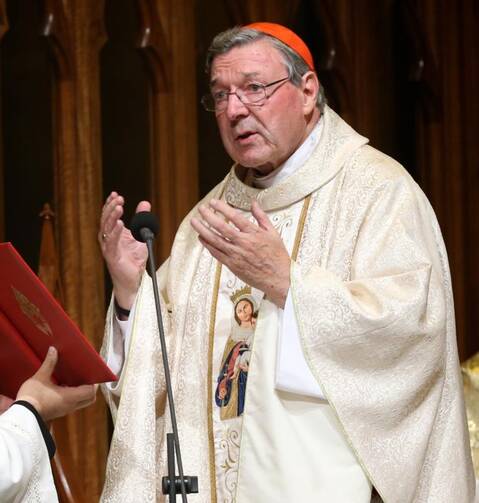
[
  {"x": 376, "y": 322},
  {"x": 124, "y": 256},
  {"x": 25, "y": 473},
  {"x": 49, "y": 399},
  {"x": 25, "y": 442},
  {"x": 116, "y": 346},
  {"x": 254, "y": 253},
  {"x": 125, "y": 259}
]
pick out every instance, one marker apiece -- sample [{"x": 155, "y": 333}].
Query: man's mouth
[{"x": 244, "y": 136}]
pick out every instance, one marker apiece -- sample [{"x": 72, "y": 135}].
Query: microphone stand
[{"x": 171, "y": 484}]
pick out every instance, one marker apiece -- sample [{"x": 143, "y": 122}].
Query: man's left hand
[{"x": 254, "y": 253}]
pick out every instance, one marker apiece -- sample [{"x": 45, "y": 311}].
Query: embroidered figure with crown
[{"x": 233, "y": 375}]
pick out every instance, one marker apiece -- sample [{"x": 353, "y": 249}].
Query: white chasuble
[
  {"x": 371, "y": 294},
  {"x": 262, "y": 426}
]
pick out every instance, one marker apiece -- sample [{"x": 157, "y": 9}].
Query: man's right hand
[
  {"x": 124, "y": 256},
  {"x": 51, "y": 400}
]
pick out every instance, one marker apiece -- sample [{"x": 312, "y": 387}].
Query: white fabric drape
[{"x": 25, "y": 473}]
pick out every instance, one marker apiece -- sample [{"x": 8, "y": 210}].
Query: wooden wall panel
[
  {"x": 446, "y": 118},
  {"x": 213, "y": 161},
  {"x": 126, "y": 89},
  {"x": 27, "y": 94},
  {"x": 260, "y": 10},
  {"x": 183, "y": 91},
  {"x": 154, "y": 43},
  {"x": 75, "y": 33},
  {"x": 78, "y": 202},
  {"x": 164, "y": 40},
  {"x": 469, "y": 92}
]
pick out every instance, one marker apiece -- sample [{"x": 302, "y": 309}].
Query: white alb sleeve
[
  {"x": 25, "y": 473},
  {"x": 292, "y": 371},
  {"x": 118, "y": 347}
]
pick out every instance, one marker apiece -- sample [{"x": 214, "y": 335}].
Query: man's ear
[{"x": 310, "y": 89}]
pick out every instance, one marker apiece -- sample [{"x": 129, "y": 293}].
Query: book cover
[{"x": 31, "y": 320}]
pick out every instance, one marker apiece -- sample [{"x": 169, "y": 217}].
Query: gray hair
[{"x": 237, "y": 37}]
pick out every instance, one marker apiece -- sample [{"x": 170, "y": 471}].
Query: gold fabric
[
  {"x": 372, "y": 296},
  {"x": 470, "y": 375}
]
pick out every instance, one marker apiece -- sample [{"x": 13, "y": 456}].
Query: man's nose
[{"x": 235, "y": 108}]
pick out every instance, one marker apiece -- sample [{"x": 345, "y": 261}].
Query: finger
[
  {"x": 143, "y": 206},
  {"x": 111, "y": 196},
  {"x": 112, "y": 219},
  {"x": 79, "y": 394},
  {"x": 48, "y": 366},
  {"x": 112, "y": 201},
  {"x": 218, "y": 224},
  {"x": 242, "y": 223},
  {"x": 85, "y": 403},
  {"x": 261, "y": 217},
  {"x": 112, "y": 213},
  {"x": 210, "y": 236},
  {"x": 217, "y": 254},
  {"x": 110, "y": 244},
  {"x": 91, "y": 398}
]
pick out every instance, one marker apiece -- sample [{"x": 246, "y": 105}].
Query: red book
[{"x": 32, "y": 320}]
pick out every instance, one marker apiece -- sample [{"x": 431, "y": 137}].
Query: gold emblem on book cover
[{"x": 32, "y": 312}]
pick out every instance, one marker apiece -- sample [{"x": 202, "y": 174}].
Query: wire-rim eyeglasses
[{"x": 253, "y": 94}]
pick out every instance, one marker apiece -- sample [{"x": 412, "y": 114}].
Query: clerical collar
[{"x": 286, "y": 169}]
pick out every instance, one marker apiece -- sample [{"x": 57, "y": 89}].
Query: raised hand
[
  {"x": 254, "y": 253},
  {"x": 124, "y": 256},
  {"x": 49, "y": 399}
]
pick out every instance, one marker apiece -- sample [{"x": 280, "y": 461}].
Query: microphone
[{"x": 144, "y": 226}]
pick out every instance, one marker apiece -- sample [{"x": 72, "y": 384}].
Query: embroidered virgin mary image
[{"x": 233, "y": 375}]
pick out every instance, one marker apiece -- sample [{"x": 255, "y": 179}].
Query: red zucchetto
[{"x": 286, "y": 36}]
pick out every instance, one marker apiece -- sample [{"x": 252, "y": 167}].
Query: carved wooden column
[
  {"x": 75, "y": 34},
  {"x": 184, "y": 102},
  {"x": 175, "y": 108},
  {"x": 165, "y": 39},
  {"x": 156, "y": 49}
]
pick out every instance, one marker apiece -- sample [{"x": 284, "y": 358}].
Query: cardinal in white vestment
[{"x": 307, "y": 307}]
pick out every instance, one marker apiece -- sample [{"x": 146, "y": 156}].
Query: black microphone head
[{"x": 143, "y": 220}]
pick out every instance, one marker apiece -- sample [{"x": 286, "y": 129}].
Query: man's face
[{"x": 260, "y": 137}]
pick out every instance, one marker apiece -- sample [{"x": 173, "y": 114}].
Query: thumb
[
  {"x": 48, "y": 365},
  {"x": 260, "y": 215},
  {"x": 143, "y": 206}
]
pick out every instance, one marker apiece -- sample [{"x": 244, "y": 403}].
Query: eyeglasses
[{"x": 251, "y": 95}]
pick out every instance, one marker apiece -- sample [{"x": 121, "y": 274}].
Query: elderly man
[{"x": 308, "y": 311}]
